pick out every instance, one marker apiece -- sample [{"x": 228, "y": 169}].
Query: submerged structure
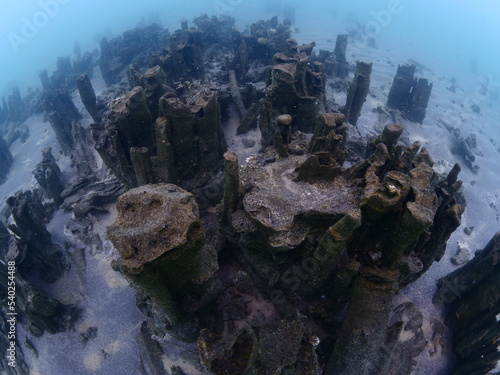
[{"x": 287, "y": 262}]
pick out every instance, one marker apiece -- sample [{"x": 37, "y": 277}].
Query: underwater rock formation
[
  {"x": 286, "y": 265},
  {"x": 182, "y": 59},
  {"x": 127, "y": 125},
  {"x": 186, "y": 139},
  {"x": 5, "y": 160},
  {"x": 87, "y": 96},
  {"x": 336, "y": 65},
  {"x": 48, "y": 175},
  {"x": 62, "y": 113},
  {"x": 296, "y": 87},
  {"x": 133, "y": 46},
  {"x": 357, "y": 92},
  {"x": 267, "y": 39},
  {"x": 409, "y": 94},
  {"x": 298, "y": 248},
  {"x": 15, "y": 106},
  {"x": 38, "y": 312},
  {"x": 166, "y": 254},
  {"x": 371, "y": 244},
  {"x": 340, "y": 66},
  {"x": 66, "y": 73},
  {"x": 35, "y": 251},
  {"x": 473, "y": 292}
]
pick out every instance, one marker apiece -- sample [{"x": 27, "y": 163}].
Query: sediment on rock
[{"x": 166, "y": 254}]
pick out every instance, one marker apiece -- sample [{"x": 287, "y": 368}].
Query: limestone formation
[
  {"x": 62, "y": 113},
  {"x": 48, "y": 175},
  {"x": 289, "y": 264},
  {"x": 194, "y": 132},
  {"x": 5, "y": 160},
  {"x": 166, "y": 254},
  {"x": 87, "y": 96},
  {"x": 473, "y": 293},
  {"x": 408, "y": 94},
  {"x": 268, "y": 38},
  {"x": 358, "y": 91},
  {"x": 38, "y": 312},
  {"x": 420, "y": 95},
  {"x": 133, "y": 46},
  {"x": 186, "y": 138},
  {"x": 35, "y": 252},
  {"x": 296, "y": 87},
  {"x": 182, "y": 59},
  {"x": 336, "y": 65},
  {"x": 376, "y": 240},
  {"x": 128, "y": 124},
  {"x": 341, "y": 67},
  {"x": 266, "y": 123}
]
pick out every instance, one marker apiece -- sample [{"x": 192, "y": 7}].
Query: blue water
[{"x": 33, "y": 33}]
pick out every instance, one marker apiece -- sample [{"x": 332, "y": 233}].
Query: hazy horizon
[{"x": 33, "y": 34}]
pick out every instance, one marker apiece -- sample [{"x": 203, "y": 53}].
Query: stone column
[
  {"x": 87, "y": 95},
  {"x": 358, "y": 91}
]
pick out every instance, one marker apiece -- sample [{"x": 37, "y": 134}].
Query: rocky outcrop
[
  {"x": 186, "y": 139},
  {"x": 375, "y": 240},
  {"x": 5, "y": 160},
  {"x": 408, "y": 94},
  {"x": 48, "y": 175},
  {"x": 87, "y": 95},
  {"x": 296, "y": 87},
  {"x": 473, "y": 293},
  {"x": 62, "y": 113},
  {"x": 35, "y": 253},
  {"x": 357, "y": 92},
  {"x": 133, "y": 46},
  {"x": 336, "y": 65},
  {"x": 341, "y": 67},
  {"x": 38, "y": 312},
  {"x": 166, "y": 256},
  {"x": 268, "y": 38},
  {"x": 182, "y": 59}
]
